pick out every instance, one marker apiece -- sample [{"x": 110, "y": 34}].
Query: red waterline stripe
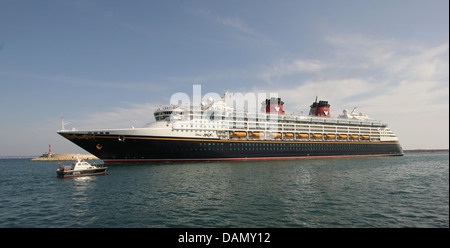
[{"x": 126, "y": 161}]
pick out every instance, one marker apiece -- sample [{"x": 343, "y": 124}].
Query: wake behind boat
[{"x": 80, "y": 168}]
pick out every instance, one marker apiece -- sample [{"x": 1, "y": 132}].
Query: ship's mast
[{"x": 62, "y": 123}]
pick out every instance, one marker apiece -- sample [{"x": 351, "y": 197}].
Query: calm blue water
[{"x": 409, "y": 191}]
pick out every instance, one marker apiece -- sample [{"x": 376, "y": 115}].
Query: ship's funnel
[
  {"x": 274, "y": 106},
  {"x": 321, "y": 108}
]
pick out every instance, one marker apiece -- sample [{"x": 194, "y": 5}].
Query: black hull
[
  {"x": 81, "y": 173},
  {"x": 129, "y": 149}
]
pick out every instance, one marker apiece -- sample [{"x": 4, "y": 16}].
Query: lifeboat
[
  {"x": 342, "y": 136},
  {"x": 365, "y": 137},
  {"x": 288, "y": 135},
  {"x": 275, "y": 135},
  {"x": 316, "y": 136},
  {"x": 238, "y": 134},
  {"x": 354, "y": 137},
  {"x": 330, "y": 136},
  {"x": 302, "y": 136},
  {"x": 256, "y": 135}
]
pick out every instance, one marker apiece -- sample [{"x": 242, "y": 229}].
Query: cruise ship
[{"x": 213, "y": 131}]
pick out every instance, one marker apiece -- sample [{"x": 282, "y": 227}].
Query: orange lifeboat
[
  {"x": 330, "y": 136},
  {"x": 342, "y": 136},
  {"x": 288, "y": 135},
  {"x": 275, "y": 135},
  {"x": 354, "y": 137},
  {"x": 316, "y": 136},
  {"x": 238, "y": 134},
  {"x": 256, "y": 135},
  {"x": 365, "y": 137},
  {"x": 302, "y": 136}
]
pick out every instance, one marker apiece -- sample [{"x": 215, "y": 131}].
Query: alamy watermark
[{"x": 249, "y": 110}]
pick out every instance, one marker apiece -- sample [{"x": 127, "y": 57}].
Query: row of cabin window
[
  {"x": 285, "y": 145},
  {"x": 310, "y": 148}
]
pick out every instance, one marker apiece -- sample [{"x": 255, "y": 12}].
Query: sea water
[{"x": 408, "y": 191}]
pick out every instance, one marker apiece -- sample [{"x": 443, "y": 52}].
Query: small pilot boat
[{"x": 79, "y": 169}]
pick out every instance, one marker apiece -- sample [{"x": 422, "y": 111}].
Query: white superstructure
[{"x": 216, "y": 120}]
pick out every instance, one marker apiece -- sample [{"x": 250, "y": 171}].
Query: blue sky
[{"x": 111, "y": 63}]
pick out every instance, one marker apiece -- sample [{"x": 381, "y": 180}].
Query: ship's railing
[
  {"x": 287, "y": 130},
  {"x": 209, "y": 115},
  {"x": 250, "y": 125},
  {"x": 223, "y": 112}
]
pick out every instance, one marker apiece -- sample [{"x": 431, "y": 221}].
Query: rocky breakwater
[{"x": 65, "y": 157}]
